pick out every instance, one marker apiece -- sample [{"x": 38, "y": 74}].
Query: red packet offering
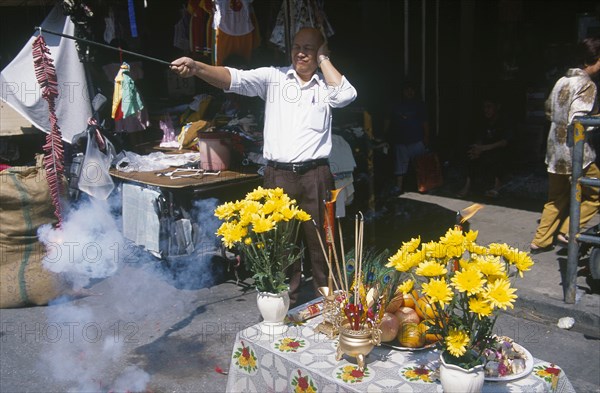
[{"x": 306, "y": 310}]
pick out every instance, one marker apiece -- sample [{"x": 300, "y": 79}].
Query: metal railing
[{"x": 578, "y": 135}]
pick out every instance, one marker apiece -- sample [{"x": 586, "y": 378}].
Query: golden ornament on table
[
  {"x": 359, "y": 330},
  {"x": 354, "y": 312},
  {"x": 332, "y": 313},
  {"x": 357, "y": 343}
]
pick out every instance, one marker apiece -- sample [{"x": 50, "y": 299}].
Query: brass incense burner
[{"x": 357, "y": 343}]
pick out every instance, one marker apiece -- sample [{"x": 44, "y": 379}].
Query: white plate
[
  {"x": 510, "y": 377},
  {"x": 399, "y": 348}
]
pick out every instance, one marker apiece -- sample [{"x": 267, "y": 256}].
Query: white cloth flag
[{"x": 20, "y": 90}]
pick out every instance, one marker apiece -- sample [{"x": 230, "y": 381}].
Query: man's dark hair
[{"x": 588, "y": 51}]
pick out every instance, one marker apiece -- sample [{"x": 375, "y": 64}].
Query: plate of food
[
  {"x": 405, "y": 330},
  {"x": 507, "y": 361}
]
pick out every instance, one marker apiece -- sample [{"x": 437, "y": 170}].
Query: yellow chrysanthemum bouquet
[
  {"x": 465, "y": 284},
  {"x": 264, "y": 227}
]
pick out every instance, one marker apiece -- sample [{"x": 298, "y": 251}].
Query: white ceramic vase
[
  {"x": 455, "y": 379},
  {"x": 273, "y": 308}
]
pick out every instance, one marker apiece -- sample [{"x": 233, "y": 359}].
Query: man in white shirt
[{"x": 297, "y": 131}]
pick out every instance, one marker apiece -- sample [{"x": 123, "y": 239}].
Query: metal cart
[{"x": 576, "y": 237}]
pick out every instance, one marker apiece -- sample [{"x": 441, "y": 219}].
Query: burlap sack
[{"x": 25, "y": 205}]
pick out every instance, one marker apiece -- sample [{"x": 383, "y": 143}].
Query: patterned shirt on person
[{"x": 573, "y": 95}]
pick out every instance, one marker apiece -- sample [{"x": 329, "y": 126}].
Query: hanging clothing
[
  {"x": 132, "y": 19},
  {"x": 236, "y": 30},
  {"x": 73, "y": 108},
  {"x": 138, "y": 122},
  {"x": 200, "y": 28},
  {"x": 126, "y": 99},
  {"x": 233, "y": 17},
  {"x": 128, "y": 107},
  {"x": 109, "y": 29},
  {"x": 117, "y": 113},
  {"x": 227, "y": 45},
  {"x": 180, "y": 32},
  {"x": 303, "y": 13}
]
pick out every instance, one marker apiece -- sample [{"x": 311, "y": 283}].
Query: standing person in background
[
  {"x": 488, "y": 156},
  {"x": 406, "y": 130},
  {"x": 297, "y": 131},
  {"x": 573, "y": 95}
]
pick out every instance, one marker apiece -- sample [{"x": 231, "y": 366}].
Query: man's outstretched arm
[{"x": 215, "y": 75}]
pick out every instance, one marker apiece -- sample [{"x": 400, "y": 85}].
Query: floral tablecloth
[{"x": 301, "y": 360}]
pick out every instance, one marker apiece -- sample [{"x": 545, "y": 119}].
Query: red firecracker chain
[{"x": 45, "y": 74}]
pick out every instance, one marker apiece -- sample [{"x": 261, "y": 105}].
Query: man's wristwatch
[{"x": 322, "y": 58}]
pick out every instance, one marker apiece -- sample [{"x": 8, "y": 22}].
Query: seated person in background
[{"x": 488, "y": 156}]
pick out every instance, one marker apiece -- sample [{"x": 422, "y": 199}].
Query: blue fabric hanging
[{"x": 132, "y": 23}]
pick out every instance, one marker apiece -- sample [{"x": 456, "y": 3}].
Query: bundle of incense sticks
[
  {"x": 344, "y": 267},
  {"x": 342, "y": 281},
  {"x": 358, "y": 253},
  {"x": 361, "y": 311}
]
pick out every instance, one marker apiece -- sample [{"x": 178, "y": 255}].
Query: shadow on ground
[{"x": 525, "y": 188}]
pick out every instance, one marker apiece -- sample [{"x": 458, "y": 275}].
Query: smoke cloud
[
  {"x": 89, "y": 341},
  {"x": 89, "y": 245}
]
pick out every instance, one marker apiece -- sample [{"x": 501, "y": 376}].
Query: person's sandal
[
  {"x": 533, "y": 249},
  {"x": 562, "y": 240}
]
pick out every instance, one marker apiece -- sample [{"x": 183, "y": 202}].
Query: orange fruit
[
  {"x": 429, "y": 337},
  {"x": 432, "y": 338},
  {"x": 410, "y": 298},
  {"x": 423, "y": 327},
  {"x": 424, "y": 308}
]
